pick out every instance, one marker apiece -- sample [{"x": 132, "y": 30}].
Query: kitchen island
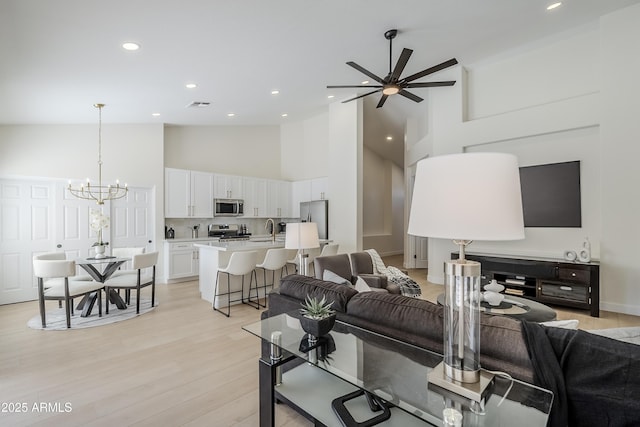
[{"x": 215, "y": 255}]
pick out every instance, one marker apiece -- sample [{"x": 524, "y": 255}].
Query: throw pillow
[
  {"x": 330, "y": 276},
  {"x": 566, "y": 324},
  {"x": 361, "y": 285}
]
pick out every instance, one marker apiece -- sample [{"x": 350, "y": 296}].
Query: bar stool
[
  {"x": 274, "y": 259},
  {"x": 240, "y": 264}
]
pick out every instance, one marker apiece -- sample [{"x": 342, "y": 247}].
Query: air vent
[{"x": 198, "y": 104}]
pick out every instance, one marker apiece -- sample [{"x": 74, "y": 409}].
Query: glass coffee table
[{"x": 341, "y": 378}]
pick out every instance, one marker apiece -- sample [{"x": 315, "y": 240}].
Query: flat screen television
[{"x": 551, "y": 195}]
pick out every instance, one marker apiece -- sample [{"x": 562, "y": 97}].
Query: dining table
[{"x": 100, "y": 270}]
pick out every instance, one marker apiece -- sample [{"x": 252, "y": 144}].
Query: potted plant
[
  {"x": 98, "y": 221},
  {"x": 317, "y": 316}
]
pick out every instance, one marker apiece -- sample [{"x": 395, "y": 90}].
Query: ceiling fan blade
[
  {"x": 410, "y": 96},
  {"x": 365, "y": 71},
  {"x": 445, "y": 64},
  {"x": 362, "y": 96},
  {"x": 383, "y": 98},
  {"x": 402, "y": 62},
  {"x": 342, "y": 87},
  {"x": 431, "y": 84}
]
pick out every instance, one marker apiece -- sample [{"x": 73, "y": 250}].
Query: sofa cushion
[
  {"x": 420, "y": 322},
  {"x": 361, "y": 286},
  {"x": 297, "y": 286},
  {"x": 330, "y": 276}
]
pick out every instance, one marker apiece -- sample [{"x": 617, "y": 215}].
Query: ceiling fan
[{"x": 392, "y": 84}]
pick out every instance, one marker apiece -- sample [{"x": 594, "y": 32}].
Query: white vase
[{"x": 99, "y": 250}]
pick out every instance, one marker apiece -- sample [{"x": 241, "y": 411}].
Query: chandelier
[{"x": 99, "y": 192}]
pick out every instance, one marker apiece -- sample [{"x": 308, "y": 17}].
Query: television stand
[{"x": 549, "y": 281}]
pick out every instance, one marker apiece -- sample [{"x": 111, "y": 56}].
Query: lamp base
[{"x": 473, "y": 391}]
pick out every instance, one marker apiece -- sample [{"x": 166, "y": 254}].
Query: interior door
[
  {"x": 132, "y": 220},
  {"x": 416, "y": 251},
  {"x": 26, "y": 228}
]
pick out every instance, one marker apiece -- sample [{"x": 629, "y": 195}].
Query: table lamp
[
  {"x": 301, "y": 236},
  {"x": 465, "y": 197}
]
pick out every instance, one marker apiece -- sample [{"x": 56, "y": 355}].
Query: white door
[
  {"x": 26, "y": 228},
  {"x": 416, "y": 252},
  {"x": 73, "y": 235},
  {"x": 132, "y": 220}
]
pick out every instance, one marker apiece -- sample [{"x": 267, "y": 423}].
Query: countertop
[{"x": 280, "y": 236}]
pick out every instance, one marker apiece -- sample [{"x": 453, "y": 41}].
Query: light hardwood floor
[{"x": 181, "y": 364}]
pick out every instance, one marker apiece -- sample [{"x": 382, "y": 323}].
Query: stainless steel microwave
[{"x": 228, "y": 207}]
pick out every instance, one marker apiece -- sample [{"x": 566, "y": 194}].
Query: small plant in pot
[{"x": 317, "y": 316}]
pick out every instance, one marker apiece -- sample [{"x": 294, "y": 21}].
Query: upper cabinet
[
  {"x": 188, "y": 194},
  {"x": 228, "y": 187},
  {"x": 255, "y": 197},
  {"x": 319, "y": 188},
  {"x": 279, "y": 199},
  {"x": 306, "y": 190}
]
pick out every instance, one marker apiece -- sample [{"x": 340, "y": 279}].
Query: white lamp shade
[
  {"x": 302, "y": 235},
  {"x": 471, "y": 196}
]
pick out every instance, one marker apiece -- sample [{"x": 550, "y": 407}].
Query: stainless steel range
[{"x": 227, "y": 232}]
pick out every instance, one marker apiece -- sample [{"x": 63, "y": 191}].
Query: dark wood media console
[{"x": 561, "y": 283}]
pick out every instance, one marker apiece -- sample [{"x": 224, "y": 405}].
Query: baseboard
[
  {"x": 633, "y": 310},
  {"x": 391, "y": 253},
  {"x": 438, "y": 280}
]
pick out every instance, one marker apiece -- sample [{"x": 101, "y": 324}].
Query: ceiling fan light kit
[{"x": 392, "y": 84}]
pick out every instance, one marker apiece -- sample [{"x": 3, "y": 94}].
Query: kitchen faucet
[{"x": 273, "y": 228}]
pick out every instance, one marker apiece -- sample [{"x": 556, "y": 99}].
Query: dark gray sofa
[
  {"x": 412, "y": 320},
  {"x": 595, "y": 380}
]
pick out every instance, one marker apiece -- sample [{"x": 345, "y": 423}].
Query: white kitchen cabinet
[
  {"x": 188, "y": 194},
  {"x": 228, "y": 187},
  {"x": 305, "y": 191},
  {"x": 255, "y": 197},
  {"x": 319, "y": 188},
  {"x": 279, "y": 199},
  {"x": 181, "y": 260}
]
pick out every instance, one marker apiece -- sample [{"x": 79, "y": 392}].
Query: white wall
[
  {"x": 235, "y": 150},
  {"x": 345, "y": 175},
  {"x": 305, "y": 148},
  {"x": 587, "y": 103},
  {"x": 620, "y": 152},
  {"x": 383, "y": 204},
  {"x": 132, "y": 153}
]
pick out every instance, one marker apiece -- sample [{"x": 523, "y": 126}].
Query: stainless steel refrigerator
[{"x": 316, "y": 211}]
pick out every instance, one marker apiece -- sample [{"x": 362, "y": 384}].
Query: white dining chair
[
  {"x": 126, "y": 268},
  {"x": 240, "y": 264},
  {"x": 144, "y": 266},
  {"x": 46, "y": 269},
  {"x": 330, "y": 249},
  {"x": 274, "y": 260}
]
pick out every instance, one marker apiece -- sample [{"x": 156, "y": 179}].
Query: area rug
[{"x": 57, "y": 320}]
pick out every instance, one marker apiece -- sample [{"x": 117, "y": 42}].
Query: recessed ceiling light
[
  {"x": 130, "y": 46},
  {"x": 330, "y": 96},
  {"x": 366, "y": 82},
  {"x": 284, "y": 115},
  {"x": 275, "y": 92},
  {"x": 389, "y": 138},
  {"x": 231, "y": 114},
  {"x": 554, "y": 5},
  {"x": 191, "y": 85},
  {"x": 155, "y": 114}
]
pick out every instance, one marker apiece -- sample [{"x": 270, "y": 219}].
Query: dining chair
[
  {"x": 46, "y": 269},
  {"x": 240, "y": 264},
  {"x": 126, "y": 268},
  {"x": 274, "y": 260},
  {"x": 142, "y": 278}
]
